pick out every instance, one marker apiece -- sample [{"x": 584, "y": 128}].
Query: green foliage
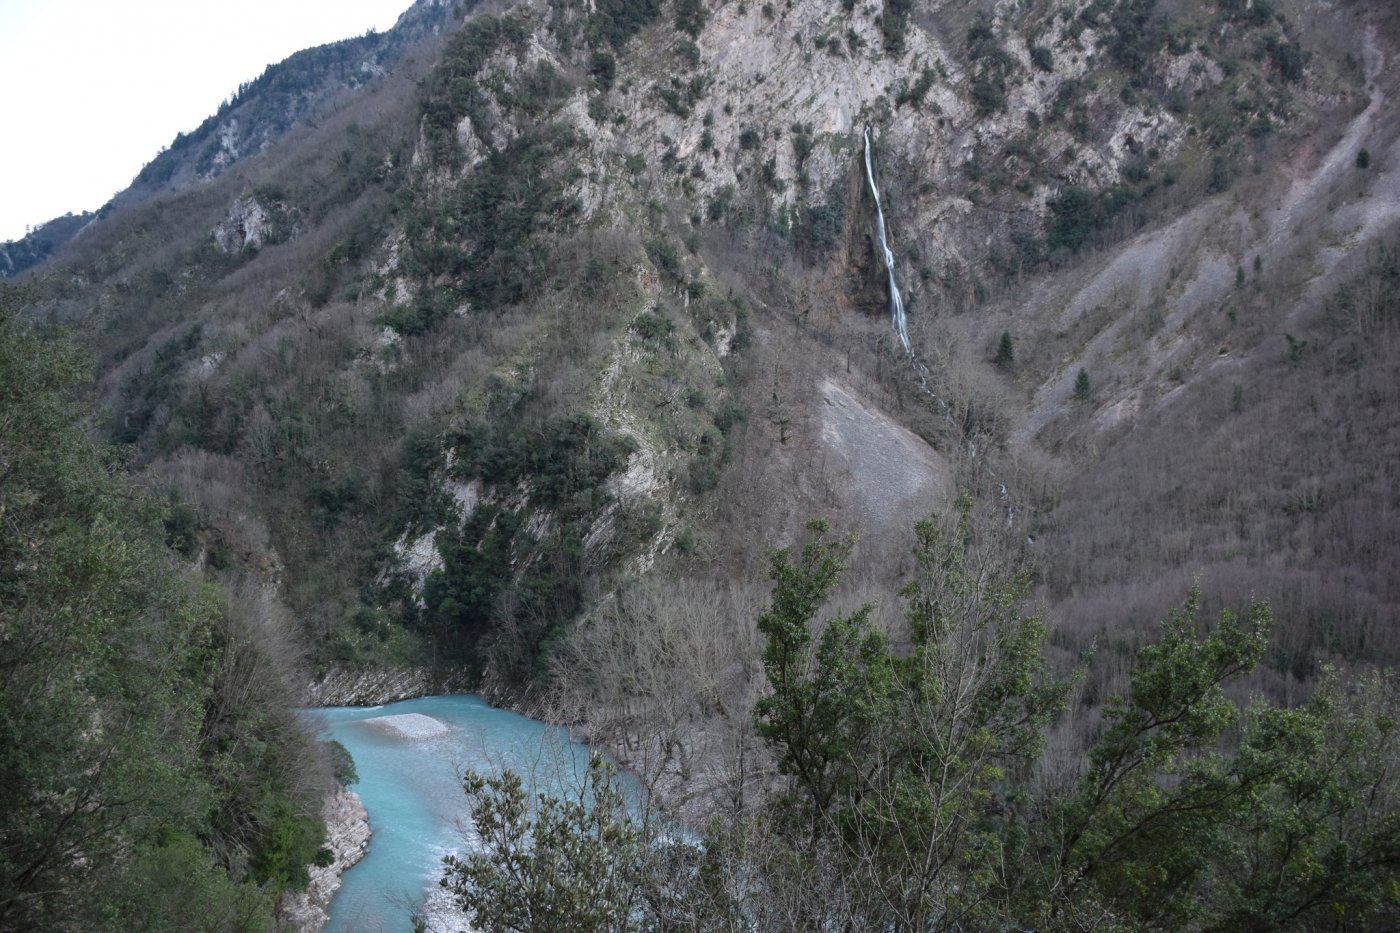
[
  {"x": 915, "y": 93},
  {"x": 454, "y": 90},
  {"x": 603, "y": 67},
  {"x": 115, "y": 685},
  {"x": 817, "y": 228},
  {"x": 680, "y": 97},
  {"x": 993, "y": 66},
  {"x": 654, "y": 327},
  {"x": 142, "y": 400},
  {"x": 1006, "y": 353},
  {"x": 817, "y": 716},
  {"x": 549, "y": 863},
  {"x": 1074, "y": 216},
  {"x": 566, "y": 456},
  {"x": 919, "y": 796},
  {"x": 1222, "y": 173},
  {"x": 1287, "y": 57},
  {"x": 908, "y": 760},
  {"x": 343, "y": 764},
  {"x": 1042, "y": 58},
  {"x": 1315, "y": 834},
  {"x": 894, "y": 24},
  {"x": 1135, "y": 37},
  {"x": 614, "y": 22},
  {"x": 484, "y": 237},
  {"x": 691, "y": 17},
  {"x": 984, "y": 46},
  {"x": 461, "y": 596},
  {"x": 103, "y": 649},
  {"x": 988, "y": 93},
  {"x": 668, "y": 261},
  {"x": 565, "y": 461},
  {"x": 291, "y": 841},
  {"x": 1140, "y": 827},
  {"x": 1082, "y": 386},
  {"x": 175, "y": 886}
]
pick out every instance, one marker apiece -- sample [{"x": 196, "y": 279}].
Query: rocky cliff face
[{"x": 347, "y": 837}]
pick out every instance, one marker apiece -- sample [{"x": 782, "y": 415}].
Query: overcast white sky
[{"x": 91, "y": 89}]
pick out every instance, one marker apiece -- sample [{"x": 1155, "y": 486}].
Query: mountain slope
[{"x": 572, "y": 297}]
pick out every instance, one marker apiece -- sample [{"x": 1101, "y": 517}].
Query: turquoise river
[{"x": 410, "y": 757}]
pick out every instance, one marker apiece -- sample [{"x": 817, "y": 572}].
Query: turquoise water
[{"x": 413, "y": 793}]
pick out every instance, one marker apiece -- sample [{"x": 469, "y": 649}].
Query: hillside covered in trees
[{"x": 154, "y": 775}]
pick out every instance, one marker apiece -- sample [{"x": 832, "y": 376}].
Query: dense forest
[{"x": 154, "y": 774}]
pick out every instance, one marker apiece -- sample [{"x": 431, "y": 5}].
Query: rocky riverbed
[{"x": 347, "y": 836}]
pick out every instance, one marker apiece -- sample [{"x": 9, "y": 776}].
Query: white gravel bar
[{"x": 409, "y": 725}]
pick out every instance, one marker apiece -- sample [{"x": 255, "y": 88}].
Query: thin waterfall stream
[
  {"x": 896, "y": 300},
  {"x": 897, "y": 316}
]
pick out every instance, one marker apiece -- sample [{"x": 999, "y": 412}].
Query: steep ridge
[{"x": 256, "y": 115}]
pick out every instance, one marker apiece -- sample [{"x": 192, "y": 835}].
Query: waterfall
[{"x": 896, "y": 302}]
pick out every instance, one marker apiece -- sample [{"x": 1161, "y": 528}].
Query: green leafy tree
[
  {"x": 919, "y": 797},
  {"x": 117, "y": 678},
  {"x": 1315, "y": 837},
  {"x": 573, "y": 864},
  {"x": 910, "y": 760},
  {"x": 102, "y": 651},
  {"x": 1139, "y": 828},
  {"x": 825, "y": 703}
]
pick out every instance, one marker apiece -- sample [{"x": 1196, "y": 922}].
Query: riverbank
[
  {"x": 347, "y": 837},
  {"x": 410, "y": 780},
  {"x": 378, "y": 686}
]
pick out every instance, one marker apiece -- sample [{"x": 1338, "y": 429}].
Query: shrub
[
  {"x": 651, "y": 326},
  {"x": 988, "y": 93},
  {"x": 894, "y": 23},
  {"x": 614, "y": 22},
  {"x": 603, "y": 67},
  {"x": 690, "y": 17}
]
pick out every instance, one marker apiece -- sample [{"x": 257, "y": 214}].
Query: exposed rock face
[
  {"x": 347, "y": 836},
  {"x": 247, "y": 225},
  {"x": 382, "y": 685}
]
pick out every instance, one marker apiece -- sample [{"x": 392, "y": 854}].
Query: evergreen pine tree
[{"x": 1006, "y": 353}]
